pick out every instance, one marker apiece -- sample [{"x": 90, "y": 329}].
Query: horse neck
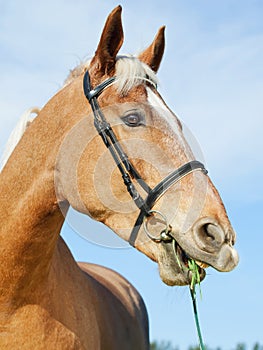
[{"x": 30, "y": 216}]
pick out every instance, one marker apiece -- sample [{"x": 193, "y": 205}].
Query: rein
[{"x": 128, "y": 172}]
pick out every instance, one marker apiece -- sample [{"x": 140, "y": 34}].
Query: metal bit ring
[{"x": 163, "y": 235}]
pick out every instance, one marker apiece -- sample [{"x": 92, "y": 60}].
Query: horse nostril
[
  {"x": 213, "y": 234},
  {"x": 209, "y": 235}
]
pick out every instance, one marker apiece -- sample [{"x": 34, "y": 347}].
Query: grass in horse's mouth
[
  {"x": 180, "y": 255},
  {"x": 187, "y": 264}
]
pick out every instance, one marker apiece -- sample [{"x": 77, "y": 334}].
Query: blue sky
[{"x": 211, "y": 76}]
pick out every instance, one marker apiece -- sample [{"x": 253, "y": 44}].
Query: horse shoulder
[
  {"x": 121, "y": 304},
  {"x": 97, "y": 304}
]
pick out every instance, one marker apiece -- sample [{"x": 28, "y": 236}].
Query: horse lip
[
  {"x": 185, "y": 256},
  {"x": 223, "y": 259},
  {"x": 181, "y": 258},
  {"x": 174, "y": 266}
]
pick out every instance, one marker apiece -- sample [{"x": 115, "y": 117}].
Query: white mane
[
  {"x": 17, "y": 133},
  {"x": 129, "y": 72}
]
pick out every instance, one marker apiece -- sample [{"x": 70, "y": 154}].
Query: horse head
[{"x": 124, "y": 185}]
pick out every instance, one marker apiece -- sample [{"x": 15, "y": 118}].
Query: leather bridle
[{"x": 124, "y": 165}]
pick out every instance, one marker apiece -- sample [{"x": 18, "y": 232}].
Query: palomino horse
[{"x": 167, "y": 206}]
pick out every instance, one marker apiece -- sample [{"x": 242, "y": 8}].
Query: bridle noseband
[{"x": 124, "y": 165}]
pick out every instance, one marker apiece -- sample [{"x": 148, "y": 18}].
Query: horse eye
[{"x": 133, "y": 119}]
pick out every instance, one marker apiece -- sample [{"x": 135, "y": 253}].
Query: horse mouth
[
  {"x": 176, "y": 267},
  {"x": 183, "y": 259}
]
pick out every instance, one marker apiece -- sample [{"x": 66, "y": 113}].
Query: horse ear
[
  {"x": 110, "y": 43},
  {"x": 154, "y": 53}
]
